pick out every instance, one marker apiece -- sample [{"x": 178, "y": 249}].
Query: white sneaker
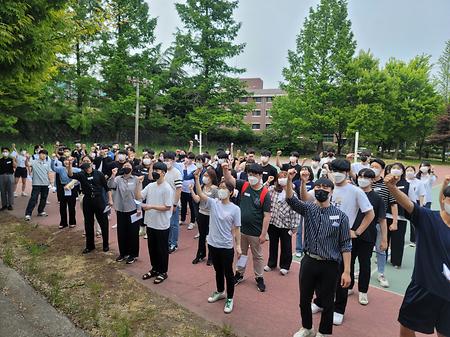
[
  {"x": 216, "y": 296},
  {"x": 27, "y": 217},
  {"x": 315, "y": 308},
  {"x": 145, "y": 236},
  {"x": 305, "y": 333},
  {"x": 412, "y": 244},
  {"x": 196, "y": 236},
  {"x": 320, "y": 335},
  {"x": 337, "y": 318},
  {"x": 142, "y": 231},
  {"x": 267, "y": 268},
  {"x": 42, "y": 214},
  {"x": 228, "y": 306},
  {"x": 298, "y": 254},
  {"x": 363, "y": 300},
  {"x": 114, "y": 226},
  {"x": 356, "y": 275},
  {"x": 48, "y": 202},
  {"x": 383, "y": 281},
  {"x": 284, "y": 271},
  {"x": 350, "y": 292},
  {"x": 191, "y": 226},
  {"x": 15, "y": 195}
]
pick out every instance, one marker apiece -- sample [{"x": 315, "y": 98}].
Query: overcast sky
[{"x": 389, "y": 28}]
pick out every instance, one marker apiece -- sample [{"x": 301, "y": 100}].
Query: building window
[
  {"x": 269, "y": 99},
  {"x": 243, "y": 100},
  {"x": 258, "y": 99},
  {"x": 256, "y": 113},
  {"x": 268, "y": 113},
  {"x": 256, "y": 126},
  {"x": 268, "y": 125}
]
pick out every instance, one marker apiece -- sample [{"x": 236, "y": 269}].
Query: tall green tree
[
  {"x": 443, "y": 74},
  {"x": 317, "y": 68},
  {"x": 204, "y": 46}
]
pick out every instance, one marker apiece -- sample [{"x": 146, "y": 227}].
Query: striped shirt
[
  {"x": 327, "y": 231},
  {"x": 174, "y": 179},
  {"x": 380, "y": 188}
]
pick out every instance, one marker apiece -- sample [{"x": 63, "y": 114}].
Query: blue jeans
[
  {"x": 174, "y": 228},
  {"x": 299, "y": 241},
  {"x": 381, "y": 255}
]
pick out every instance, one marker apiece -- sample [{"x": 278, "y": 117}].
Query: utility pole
[{"x": 137, "y": 82}]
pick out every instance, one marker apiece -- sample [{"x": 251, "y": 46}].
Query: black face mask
[
  {"x": 61, "y": 153},
  {"x": 321, "y": 195},
  {"x": 85, "y": 166},
  {"x": 330, "y": 154},
  {"x": 363, "y": 159},
  {"x": 155, "y": 175},
  {"x": 126, "y": 170}
]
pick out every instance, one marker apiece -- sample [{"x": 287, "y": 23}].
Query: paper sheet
[
  {"x": 67, "y": 193},
  {"x": 446, "y": 272},
  {"x": 242, "y": 262},
  {"x": 135, "y": 217},
  {"x": 107, "y": 209}
]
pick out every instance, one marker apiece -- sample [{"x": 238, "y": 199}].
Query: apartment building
[{"x": 259, "y": 118}]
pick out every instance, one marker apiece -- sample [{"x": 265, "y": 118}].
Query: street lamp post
[{"x": 137, "y": 82}]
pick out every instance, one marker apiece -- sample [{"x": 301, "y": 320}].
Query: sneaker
[
  {"x": 350, "y": 292},
  {"x": 172, "y": 249},
  {"x": 114, "y": 226},
  {"x": 131, "y": 260},
  {"x": 315, "y": 308},
  {"x": 337, "y": 318},
  {"x": 228, "y": 306},
  {"x": 363, "y": 300},
  {"x": 284, "y": 272},
  {"x": 191, "y": 226},
  {"x": 356, "y": 275},
  {"x": 305, "y": 333},
  {"x": 209, "y": 262},
  {"x": 238, "y": 278},
  {"x": 145, "y": 236},
  {"x": 197, "y": 260},
  {"x": 298, "y": 254},
  {"x": 142, "y": 231},
  {"x": 412, "y": 244},
  {"x": 27, "y": 217},
  {"x": 10, "y": 208},
  {"x": 216, "y": 296},
  {"x": 24, "y": 194},
  {"x": 320, "y": 335},
  {"x": 396, "y": 267},
  {"x": 15, "y": 195},
  {"x": 120, "y": 258},
  {"x": 47, "y": 202},
  {"x": 260, "y": 284},
  {"x": 383, "y": 281},
  {"x": 43, "y": 214},
  {"x": 267, "y": 268},
  {"x": 196, "y": 236}
]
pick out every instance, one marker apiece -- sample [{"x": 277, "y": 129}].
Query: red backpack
[{"x": 262, "y": 196}]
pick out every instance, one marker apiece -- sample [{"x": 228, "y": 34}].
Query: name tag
[
  {"x": 377, "y": 189},
  {"x": 401, "y": 187},
  {"x": 265, "y": 172},
  {"x": 90, "y": 178},
  {"x": 247, "y": 194},
  {"x": 9, "y": 162},
  {"x": 334, "y": 217},
  {"x": 335, "y": 224}
]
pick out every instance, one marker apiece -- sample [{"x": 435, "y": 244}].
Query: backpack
[{"x": 262, "y": 196}]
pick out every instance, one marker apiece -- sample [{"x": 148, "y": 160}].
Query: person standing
[
  {"x": 225, "y": 221},
  {"x": 124, "y": 196},
  {"x": 21, "y": 172},
  {"x": 158, "y": 211},
  {"x": 7, "y": 167},
  {"x": 41, "y": 183},
  {"x": 426, "y": 304},
  {"x": 427, "y": 177},
  {"x": 268, "y": 169},
  {"x": 293, "y": 163},
  {"x": 327, "y": 243},
  {"x": 188, "y": 168},
  {"x": 255, "y": 219},
  {"x": 94, "y": 186},
  {"x": 416, "y": 194}
]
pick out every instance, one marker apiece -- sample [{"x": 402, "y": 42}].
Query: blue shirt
[
  {"x": 56, "y": 166},
  {"x": 432, "y": 251}
]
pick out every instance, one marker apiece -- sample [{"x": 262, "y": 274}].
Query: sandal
[
  {"x": 149, "y": 275},
  {"x": 160, "y": 278}
]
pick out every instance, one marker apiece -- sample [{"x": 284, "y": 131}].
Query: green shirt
[{"x": 252, "y": 212}]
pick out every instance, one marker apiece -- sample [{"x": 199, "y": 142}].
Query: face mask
[
  {"x": 126, "y": 170},
  {"x": 205, "y": 180},
  {"x": 315, "y": 164},
  {"x": 321, "y": 195},
  {"x": 61, "y": 153},
  {"x": 93, "y": 154},
  {"x": 23, "y": 153},
  {"x": 424, "y": 169},
  {"x": 5, "y": 154},
  {"x": 155, "y": 175},
  {"x": 146, "y": 161},
  {"x": 227, "y": 152},
  {"x": 447, "y": 208},
  {"x": 396, "y": 172},
  {"x": 121, "y": 157},
  {"x": 363, "y": 159},
  {"x": 253, "y": 180},
  {"x": 339, "y": 177},
  {"x": 363, "y": 182},
  {"x": 67, "y": 154},
  {"x": 199, "y": 165},
  {"x": 85, "y": 166},
  {"x": 330, "y": 154},
  {"x": 293, "y": 159},
  {"x": 282, "y": 181},
  {"x": 221, "y": 161},
  {"x": 168, "y": 164},
  {"x": 376, "y": 171},
  {"x": 264, "y": 159},
  {"x": 223, "y": 194},
  {"x": 410, "y": 174}
]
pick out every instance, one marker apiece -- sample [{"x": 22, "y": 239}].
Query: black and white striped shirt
[
  {"x": 381, "y": 189},
  {"x": 327, "y": 231}
]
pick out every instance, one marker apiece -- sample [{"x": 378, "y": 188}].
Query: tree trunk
[
  {"x": 339, "y": 143},
  {"x": 444, "y": 150},
  {"x": 319, "y": 146},
  {"x": 397, "y": 148},
  {"x": 421, "y": 143}
]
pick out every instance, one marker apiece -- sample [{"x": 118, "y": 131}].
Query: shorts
[
  {"x": 423, "y": 312},
  {"x": 21, "y": 172}
]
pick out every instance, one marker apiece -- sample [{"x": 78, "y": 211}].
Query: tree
[
  {"x": 443, "y": 75},
  {"x": 441, "y": 134},
  {"x": 316, "y": 71},
  {"x": 203, "y": 46}
]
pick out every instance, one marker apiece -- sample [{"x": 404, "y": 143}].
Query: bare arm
[
  {"x": 402, "y": 198},
  {"x": 265, "y": 227},
  {"x": 159, "y": 208},
  {"x": 237, "y": 240},
  {"x": 394, "y": 211},
  {"x": 345, "y": 278},
  {"x": 367, "y": 220},
  {"x": 278, "y": 162},
  {"x": 227, "y": 174},
  {"x": 200, "y": 195},
  {"x": 383, "y": 228}
]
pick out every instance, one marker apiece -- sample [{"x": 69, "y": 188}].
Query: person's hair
[
  {"x": 278, "y": 187},
  {"x": 88, "y": 157},
  {"x": 5, "y": 149},
  {"x": 255, "y": 168},
  {"x": 410, "y": 166},
  {"x": 229, "y": 186},
  {"x": 131, "y": 149},
  {"x": 250, "y": 151},
  {"x": 169, "y": 155},
  {"x": 128, "y": 162},
  {"x": 446, "y": 192},
  {"x": 104, "y": 147},
  {"x": 402, "y": 168},
  {"x": 295, "y": 154},
  {"x": 366, "y": 173},
  {"x": 311, "y": 173},
  {"x": 266, "y": 153},
  {"x": 340, "y": 165},
  {"x": 365, "y": 154},
  {"x": 191, "y": 155},
  {"x": 200, "y": 157},
  {"x": 222, "y": 155},
  {"x": 316, "y": 158},
  {"x": 325, "y": 182},
  {"x": 379, "y": 162},
  {"x": 160, "y": 166},
  {"x": 44, "y": 152},
  {"x": 206, "y": 156},
  {"x": 212, "y": 176},
  {"x": 331, "y": 150},
  {"x": 423, "y": 163}
]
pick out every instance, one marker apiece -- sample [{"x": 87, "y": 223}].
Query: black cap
[
  {"x": 255, "y": 168},
  {"x": 160, "y": 166},
  {"x": 447, "y": 192},
  {"x": 325, "y": 182}
]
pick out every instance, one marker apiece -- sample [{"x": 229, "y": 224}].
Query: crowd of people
[{"x": 338, "y": 209}]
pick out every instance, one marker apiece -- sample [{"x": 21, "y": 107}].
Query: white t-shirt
[
  {"x": 428, "y": 181},
  {"x": 223, "y": 217},
  {"x": 356, "y": 167},
  {"x": 158, "y": 195},
  {"x": 174, "y": 179},
  {"x": 416, "y": 189},
  {"x": 350, "y": 199}
]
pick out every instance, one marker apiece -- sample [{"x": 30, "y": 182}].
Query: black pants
[
  {"x": 396, "y": 240},
  {"x": 222, "y": 259},
  {"x": 341, "y": 294},
  {"x": 203, "y": 229},
  {"x": 321, "y": 275},
  {"x": 67, "y": 202},
  {"x": 158, "y": 249},
  {"x": 186, "y": 198},
  {"x": 95, "y": 207},
  {"x": 363, "y": 251},
  {"x": 279, "y": 236},
  {"x": 127, "y": 234},
  {"x": 36, "y": 190},
  {"x": 412, "y": 233}
]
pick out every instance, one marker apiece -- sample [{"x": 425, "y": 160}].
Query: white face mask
[
  {"x": 339, "y": 177},
  {"x": 205, "y": 180},
  {"x": 282, "y": 181},
  {"x": 396, "y": 172},
  {"x": 199, "y": 165},
  {"x": 253, "y": 180},
  {"x": 447, "y": 208},
  {"x": 376, "y": 171},
  {"x": 121, "y": 157},
  {"x": 264, "y": 159},
  {"x": 221, "y": 161},
  {"x": 223, "y": 194},
  {"x": 293, "y": 160},
  {"x": 23, "y": 153},
  {"x": 146, "y": 161},
  {"x": 424, "y": 169},
  {"x": 168, "y": 164},
  {"x": 5, "y": 154},
  {"x": 363, "y": 182},
  {"x": 315, "y": 164},
  {"x": 410, "y": 174}
]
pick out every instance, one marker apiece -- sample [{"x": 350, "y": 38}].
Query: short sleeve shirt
[
  {"x": 370, "y": 234},
  {"x": 41, "y": 169},
  {"x": 223, "y": 217},
  {"x": 159, "y": 195}
]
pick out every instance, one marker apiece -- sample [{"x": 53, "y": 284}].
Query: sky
[{"x": 389, "y": 28}]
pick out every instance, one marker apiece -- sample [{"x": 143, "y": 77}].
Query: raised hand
[
  {"x": 304, "y": 176},
  {"x": 279, "y": 153},
  {"x": 114, "y": 171},
  {"x": 291, "y": 173},
  {"x": 391, "y": 180}
]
